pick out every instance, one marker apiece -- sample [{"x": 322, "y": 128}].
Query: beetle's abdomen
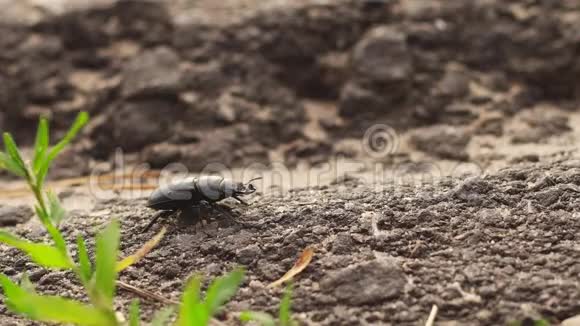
[
  {"x": 174, "y": 196},
  {"x": 169, "y": 200}
]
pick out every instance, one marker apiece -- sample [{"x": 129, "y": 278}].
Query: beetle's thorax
[{"x": 212, "y": 188}]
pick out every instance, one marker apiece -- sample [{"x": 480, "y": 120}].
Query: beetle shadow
[{"x": 205, "y": 215}]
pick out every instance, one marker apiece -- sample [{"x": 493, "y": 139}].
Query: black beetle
[{"x": 190, "y": 193}]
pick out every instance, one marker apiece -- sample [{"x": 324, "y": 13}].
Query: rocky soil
[
  {"x": 486, "y": 250},
  {"x": 484, "y": 83}
]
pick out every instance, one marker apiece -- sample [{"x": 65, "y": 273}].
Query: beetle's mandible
[{"x": 194, "y": 192}]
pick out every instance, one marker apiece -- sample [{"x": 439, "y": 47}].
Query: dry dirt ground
[
  {"x": 486, "y": 250},
  {"x": 485, "y": 86}
]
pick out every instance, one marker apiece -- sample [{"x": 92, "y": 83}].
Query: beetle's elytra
[{"x": 195, "y": 192}]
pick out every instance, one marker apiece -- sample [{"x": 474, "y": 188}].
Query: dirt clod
[
  {"x": 13, "y": 215},
  {"x": 153, "y": 73},
  {"x": 443, "y": 142},
  {"x": 538, "y": 126},
  {"x": 366, "y": 283},
  {"x": 382, "y": 55}
]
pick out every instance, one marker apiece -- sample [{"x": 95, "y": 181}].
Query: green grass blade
[
  {"x": 42, "y": 215},
  {"x": 106, "y": 260},
  {"x": 162, "y": 317},
  {"x": 192, "y": 311},
  {"x": 44, "y": 164},
  {"x": 529, "y": 321},
  {"x": 42, "y": 254},
  {"x": 50, "y": 308},
  {"x": 284, "y": 313},
  {"x": 7, "y": 163},
  {"x": 57, "y": 212},
  {"x": 16, "y": 160},
  {"x": 261, "y": 318},
  {"x": 541, "y": 322},
  {"x": 223, "y": 289},
  {"x": 13, "y": 150},
  {"x": 134, "y": 314},
  {"x": 58, "y": 239},
  {"x": 80, "y": 121},
  {"x": 86, "y": 269},
  {"x": 41, "y": 144},
  {"x": 42, "y": 172},
  {"x": 52, "y": 230}
]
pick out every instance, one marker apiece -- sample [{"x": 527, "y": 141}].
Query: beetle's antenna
[{"x": 258, "y": 178}]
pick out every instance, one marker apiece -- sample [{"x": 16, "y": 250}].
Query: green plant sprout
[
  {"x": 284, "y": 313},
  {"x": 531, "y": 322},
  {"x": 99, "y": 279},
  {"x": 50, "y": 215},
  {"x": 197, "y": 312}
]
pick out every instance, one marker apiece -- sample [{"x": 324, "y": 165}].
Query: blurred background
[
  {"x": 392, "y": 92},
  {"x": 488, "y": 82}
]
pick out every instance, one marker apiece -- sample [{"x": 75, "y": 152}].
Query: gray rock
[
  {"x": 355, "y": 98},
  {"x": 12, "y": 215},
  {"x": 382, "y": 70},
  {"x": 366, "y": 283},
  {"x": 455, "y": 83},
  {"x": 139, "y": 123},
  {"x": 442, "y": 141},
  {"x": 153, "y": 73},
  {"x": 342, "y": 244},
  {"x": 473, "y": 190},
  {"x": 382, "y": 55},
  {"x": 162, "y": 154},
  {"x": 248, "y": 254}
]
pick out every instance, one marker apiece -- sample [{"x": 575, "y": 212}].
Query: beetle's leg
[
  {"x": 196, "y": 210},
  {"x": 191, "y": 215},
  {"x": 240, "y": 200},
  {"x": 204, "y": 204},
  {"x": 203, "y": 215},
  {"x": 155, "y": 218},
  {"x": 221, "y": 210},
  {"x": 226, "y": 213}
]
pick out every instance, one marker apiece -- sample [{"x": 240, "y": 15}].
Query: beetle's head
[{"x": 245, "y": 188}]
